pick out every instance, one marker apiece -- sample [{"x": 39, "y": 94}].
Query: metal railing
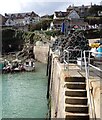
[
  {"x": 87, "y": 68},
  {"x": 88, "y": 64},
  {"x": 67, "y": 59}
]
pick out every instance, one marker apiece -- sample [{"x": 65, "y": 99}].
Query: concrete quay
[{"x": 69, "y": 91}]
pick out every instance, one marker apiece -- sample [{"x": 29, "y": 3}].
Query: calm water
[{"x": 24, "y": 94}]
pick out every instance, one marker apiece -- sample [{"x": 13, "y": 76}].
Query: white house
[
  {"x": 99, "y": 13},
  {"x": 68, "y": 14},
  {"x": 21, "y": 19},
  {"x": 10, "y": 22},
  {"x": 60, "y": 15},
  {"x": 73, "y": 14}
]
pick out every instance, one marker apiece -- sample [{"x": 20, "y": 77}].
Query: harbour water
[{"x": 24, "y": 94}]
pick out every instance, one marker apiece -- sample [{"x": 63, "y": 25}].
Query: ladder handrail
[
  {"x": 71, "y": 50},
  {"x": 87, "y": 70}
]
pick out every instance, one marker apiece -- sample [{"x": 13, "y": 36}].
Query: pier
[{"x": 72, "y": 95}]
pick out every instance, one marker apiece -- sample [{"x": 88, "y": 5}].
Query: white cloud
[
  {"x": 39, "y": 6},
  {"x": 9, "y": 6}
]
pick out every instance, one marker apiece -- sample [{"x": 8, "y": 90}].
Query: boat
[{"x": 29, "y": 65}]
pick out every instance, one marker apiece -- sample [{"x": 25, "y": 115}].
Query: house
[
  {"x": 57, "y": 23},
  {"x": 81, "y": 10},
  {"x": 71, "y": 15},
  {"x": 10, "y": 22},
  {"x": 2, "y": 20},
  {"x": 45, "y": 17},
  {"x": 21, "y": 19},
  {"x": 60, "y": 15},
  {"x": 77, "y": 23},
  {"x": 99, "y": 13}
]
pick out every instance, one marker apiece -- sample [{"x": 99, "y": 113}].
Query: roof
[
  {"x": 61, "y": 14},
  {"x": 45, "y": 16},
  {"x": 21, "y": 15},
  {"x": 2, "y": 19},
  {"x": 77, "y": 7}
]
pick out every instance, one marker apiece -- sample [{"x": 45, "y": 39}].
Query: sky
[{"x": 41, "y": 7}]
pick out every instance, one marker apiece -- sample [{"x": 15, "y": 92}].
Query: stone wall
[
  {"x": 57, "y": 89},
  {"x": 41, "y": 53},
  {"x": 96, "y": 86}
]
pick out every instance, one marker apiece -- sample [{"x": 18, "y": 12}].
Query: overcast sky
[{"x": 41, "y": 7}]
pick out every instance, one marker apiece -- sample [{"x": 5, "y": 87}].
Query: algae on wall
[
  {"x": 21, "y": 42},
  {"x": 12, "y": 40}
]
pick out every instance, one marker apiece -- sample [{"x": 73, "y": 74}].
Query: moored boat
[{"x": 29, "y": 65}]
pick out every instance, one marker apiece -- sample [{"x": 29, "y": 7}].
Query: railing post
[
  {"x": 85, "y": 66},
  {"x": 81, "y": 59}
]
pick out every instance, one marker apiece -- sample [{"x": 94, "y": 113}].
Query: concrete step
[
  {"x": 76, "y": 100},
  {"x": 75, "y": 79},
  {"x": 76, "y": 116},
  {"x": 76, "y": 108},
  {"x": 76, "y": 92},
  {"x": 75, "y": 85}
]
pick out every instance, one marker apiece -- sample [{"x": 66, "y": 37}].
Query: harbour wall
[
  {"x": 96, "y": 94},
  {"x": 57, "y": 84},
  {"x": 58, "y": 88},
  {"x": 41, "y": 53}
]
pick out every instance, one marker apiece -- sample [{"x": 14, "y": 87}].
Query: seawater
[{"x": 24, "y": 94}]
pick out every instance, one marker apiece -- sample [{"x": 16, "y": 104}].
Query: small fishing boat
[{"x": 29, "y": 65}]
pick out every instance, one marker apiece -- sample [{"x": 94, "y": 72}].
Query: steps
[
  {"x": 76, "y": 102},
  {"x": 75, "y": 79},
  {"x": 76, "y": 108},
  {"x": 76, "y": 93},
  {"x": 76, "y": 116},
  {"x": 75, "y": 85}
]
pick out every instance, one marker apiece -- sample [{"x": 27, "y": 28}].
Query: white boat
[{"x": 29, "y": 65}]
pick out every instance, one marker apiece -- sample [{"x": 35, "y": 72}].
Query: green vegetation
[
  {"x": 90, "y": 34},
  {"x": 17, "y": 40},
  {"x": 12, "y": 40},
  {"x": 53, "y": 33},
  {"x": 44, "y": 24},
  {"x": 93, "y": 11},
  {"x": 94, "y": 20},
  {"x": 93, "y": 15}
]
